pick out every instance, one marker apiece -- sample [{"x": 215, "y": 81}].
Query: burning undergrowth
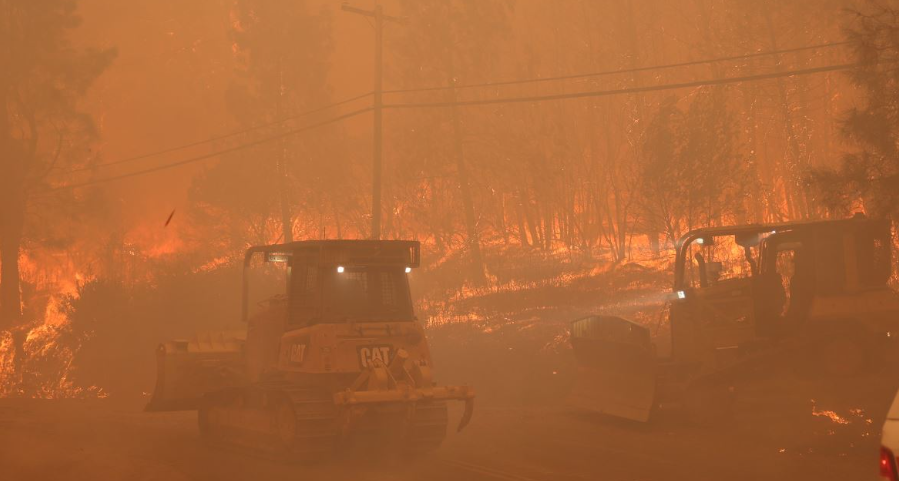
[
  {"x": 525, "y": 285},
  {"x": 96, "y": 337},
  {"x": 36, "y": 360}
]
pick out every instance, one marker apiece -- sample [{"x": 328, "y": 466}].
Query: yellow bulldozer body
[{"x": 338, "y": 356}]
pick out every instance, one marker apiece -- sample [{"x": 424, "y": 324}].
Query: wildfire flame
[{"x": 41, "y": 365}]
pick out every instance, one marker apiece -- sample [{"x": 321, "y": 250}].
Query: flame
[
  {"x": 153, "y": 242},
  {"x": 44, "y": 366},
  {"x": 37, "y": 358},
  {"x": 213, "y": 264}
]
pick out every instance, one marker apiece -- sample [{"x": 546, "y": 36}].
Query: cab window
[
  {"x": 367, "y": 294},
  {"x": 873, "y": 255},
  {"x": 305, "y": 295},
  {"x": 785, "y": 266},
  {"x": 717, "y": 259}
]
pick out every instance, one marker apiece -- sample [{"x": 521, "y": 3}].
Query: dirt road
[{"x": 98, "y": 440}]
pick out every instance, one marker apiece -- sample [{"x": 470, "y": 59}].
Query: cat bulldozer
[
  {"x": 332, "y": 357},
  {"x": 810, "y": 297}
]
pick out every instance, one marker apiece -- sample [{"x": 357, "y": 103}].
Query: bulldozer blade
[
  {"x": 188, "y": 369},
  {"x": 616, "y": 372}
]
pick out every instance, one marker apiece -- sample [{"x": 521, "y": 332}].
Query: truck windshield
[{"x": 366, "y": 294}]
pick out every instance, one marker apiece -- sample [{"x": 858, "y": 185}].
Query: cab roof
[
  {"x": 345, "y": 251},
  {"x": 749, "y": 229}
]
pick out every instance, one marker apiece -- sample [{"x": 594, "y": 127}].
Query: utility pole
[
  {"x": 377, "y": 168},
  {"x": 281, "y": 159}
]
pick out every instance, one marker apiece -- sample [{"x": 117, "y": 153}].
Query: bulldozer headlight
[
  {"x": 408, "y": 270},
  {"x": 340, "y": 269},
  {"x": 681, "y": 295}
]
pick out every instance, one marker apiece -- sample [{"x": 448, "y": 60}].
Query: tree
[
  {"x": 713, "y": 170},
  {"x": 692, "y": 174},
  {"x": 255, "y": 196},
  {"x": 41, "y": 127},
  {"x": 868, "y": 177},
  {"x": 662, "y": 190},
  {"x": 448, "y": 43}
]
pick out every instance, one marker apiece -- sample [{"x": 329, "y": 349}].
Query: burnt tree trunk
[{"x": 519, "y": 219}]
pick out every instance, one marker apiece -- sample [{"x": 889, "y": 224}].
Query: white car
[{"x": 889, "y": 444}]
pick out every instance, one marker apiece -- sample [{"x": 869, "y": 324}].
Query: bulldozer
[
  {"x": 332, "y": 357},
  {"x": 812, "y": 297}
]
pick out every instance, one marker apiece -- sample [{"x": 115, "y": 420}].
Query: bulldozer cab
[
  {"x": 834, "y": 258},
  {"x": 312, "y": 282},
  {"x": 821, "y": 264},
  {"x": 286, "y": 288},
  {"x": 294, "y": 286},
  {"x": 713, "y": 310},
  {"x": 740, "y": 288},
  {"x": 738, "y": 291}
]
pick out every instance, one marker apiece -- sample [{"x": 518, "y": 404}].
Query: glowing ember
[{"x": 832, "y": 415}]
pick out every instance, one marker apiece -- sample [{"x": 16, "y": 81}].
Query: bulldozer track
[
  {"x": 412, "y": 428},
  {"x": 315, "y": 419},
  {"x": 288, "y": 423},
  {"x": 427, "y": 429},
  {"x": 283, "y": 423}
]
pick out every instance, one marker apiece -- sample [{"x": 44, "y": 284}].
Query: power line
[
  {"x": 211, "y": 154},
  {"x": 216, "y": 138},
  {"x": 599, "y": 93},
  {"x": 603, "y": 93},
  {"x": 511, "y": 82},
  {"x": 613, "y": 72}
]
